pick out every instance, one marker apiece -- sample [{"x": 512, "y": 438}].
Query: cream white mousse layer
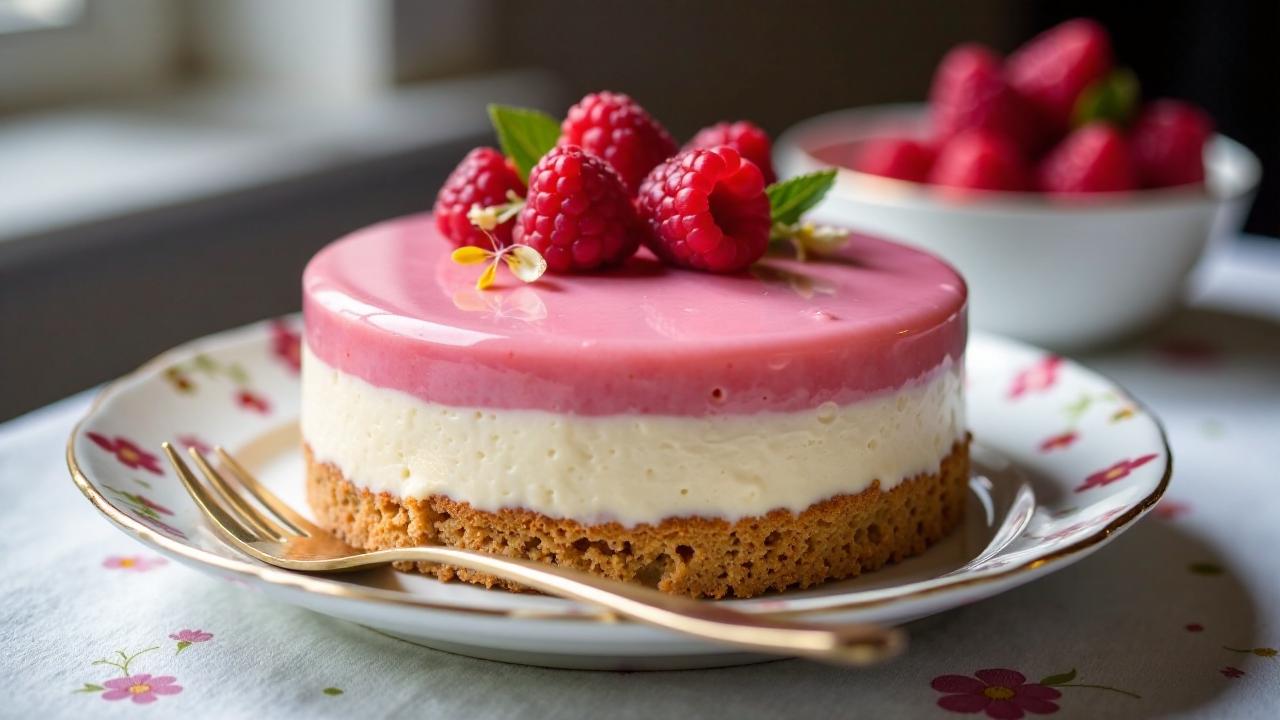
[{"x": 630, "y": 469}]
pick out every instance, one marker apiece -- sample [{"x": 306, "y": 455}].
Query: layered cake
[{"x": 708, "y": 434}]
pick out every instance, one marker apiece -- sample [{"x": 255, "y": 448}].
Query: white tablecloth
[{"x": 1180, "y": 616}]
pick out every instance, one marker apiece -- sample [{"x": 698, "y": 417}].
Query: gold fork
[{"x": 282, "y": 537}]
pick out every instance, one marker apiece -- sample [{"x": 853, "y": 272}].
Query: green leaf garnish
[
  {"x": 790, "y": 199},
  {"x": 525, "y": 135},
  {"x": 1113, "y": 99},
  {"x": 1065, "y": 677}
]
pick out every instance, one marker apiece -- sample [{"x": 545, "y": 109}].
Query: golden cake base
[{"x": 835, "y": 539}]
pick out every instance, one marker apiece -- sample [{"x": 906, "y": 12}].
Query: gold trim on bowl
[{"x": 324, "y": 586}]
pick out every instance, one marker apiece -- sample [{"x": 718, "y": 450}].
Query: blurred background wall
[{"x": 167, "y": 167}]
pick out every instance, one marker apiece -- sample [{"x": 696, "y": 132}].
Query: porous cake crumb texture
[{"x": 835, "y": 539}]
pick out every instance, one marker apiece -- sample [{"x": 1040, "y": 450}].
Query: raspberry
[
  {"x": 483, "y": 177},
  {"x": 969, "y": 92},
  {"x": 615, "y": 128},
  {"x": 1168, "y": 143},
  {"x": 980, "y": 160},
  {"x": 747, "y": 138},
  {"x": 578, "y": 214},
  {"x": 707, "y": 210},
  {"x": 899, "y": 158},
  {"x": 1053, "y": 68},
  {"x": 1094, "y": 158}
]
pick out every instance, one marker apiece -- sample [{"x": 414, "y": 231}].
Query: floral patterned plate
[{"x": 1064, "y": 460}]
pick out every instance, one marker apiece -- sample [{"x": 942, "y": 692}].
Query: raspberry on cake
[
  {"x": 616, "y": 129},
  {"x": 578, "y": 214},
  {"x": 746, "y": 137},
  {"x": 706, "y": 210},
  {"x": 483, "y": 178},
  {"x": 710, "y": 435}
]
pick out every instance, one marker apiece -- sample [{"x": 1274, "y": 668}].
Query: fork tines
[{"x": 228, "y": 508}]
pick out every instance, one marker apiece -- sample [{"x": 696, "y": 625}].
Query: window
[
  {"x": 57, "y": 51},
  {"x": 23, "y": 15}
]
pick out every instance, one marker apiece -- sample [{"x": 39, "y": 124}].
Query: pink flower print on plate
[
  {"x": 1077, "y": 527},
  {"x": 128, "y": 453},
  {"x": 1037, "y": 378},
  {"x": 286, "y": 344},
  {"x": 141, "y": 688},
  {"x": 1059, "y": 441},
  {"x": 156, "y": 524},
  {"x": 1121, "y": 469},
  {"x": 1000, "y": 693},
  {"x": 192, "y": 441},
  {"x": 250, "y": 400}
]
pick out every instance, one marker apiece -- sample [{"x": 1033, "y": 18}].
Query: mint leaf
[
  {"x": 1060, "y": 679},
  {"x": 1113, "y": 99},
  {"x": 525, "y": 135},
  {"x": 790, "y": 199}
]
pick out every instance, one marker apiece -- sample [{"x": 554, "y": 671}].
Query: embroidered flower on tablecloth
[
  {"x": 141, "y": 688},
  {"x": 1171, "y": 509},
  {"x": 1232, "y": 672},
  {"x": 1006, "y": 695},
  {"x": 1037, "y": 378},
  {"x": 135, "y": 563},
  {"x": 1189, "y": 352},
  {"x": 250, "y": 400},
  {"x": 1000, "y": 693},
  {"x": 1059, "y": 441},
  {"x": 187, "y": 638},
  {"x": 286, "y": 344},
  {"x": 1117, "y": 471},
  {"x": 128, "y": 453}
]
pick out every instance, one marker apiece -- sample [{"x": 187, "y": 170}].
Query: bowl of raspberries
[{"x": 1074, "y": 207}]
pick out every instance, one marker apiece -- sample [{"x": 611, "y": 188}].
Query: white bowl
[{"x": 1067, "y": 274}]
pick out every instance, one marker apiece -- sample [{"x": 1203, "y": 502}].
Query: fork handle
[{"x": 847, "y": 644}]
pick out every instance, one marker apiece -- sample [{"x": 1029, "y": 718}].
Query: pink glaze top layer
[{"x": 386, "y": 304}]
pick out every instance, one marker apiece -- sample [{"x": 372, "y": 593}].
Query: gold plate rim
[{"x": 323, "y": 586}]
